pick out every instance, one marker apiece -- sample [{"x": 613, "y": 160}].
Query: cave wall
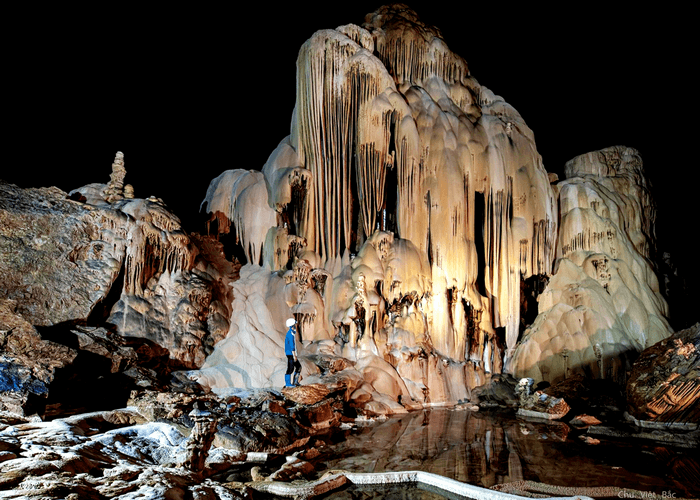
[{"x": 100, "y": 257}]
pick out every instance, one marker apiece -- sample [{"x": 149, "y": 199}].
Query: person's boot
[
  {"x": 296, "y": 379},
  {"x": 288, "y": 380}
]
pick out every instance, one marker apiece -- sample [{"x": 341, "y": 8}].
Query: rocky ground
[
  {"x": 179, "y": 444},
  {"x": 149, "y": 449}
]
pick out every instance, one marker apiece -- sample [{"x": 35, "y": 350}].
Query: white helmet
[{"x": 291, "y": 321}]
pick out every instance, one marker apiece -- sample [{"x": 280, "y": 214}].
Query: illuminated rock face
[
  {"x": 105, "y": 256},
  {"x": 602, "y": 306},
  {"x": 414, "y": 195},
  {"x": 165, "y": 296}
]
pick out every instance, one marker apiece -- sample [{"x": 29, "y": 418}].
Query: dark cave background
[{"x": 188, "y": 92}]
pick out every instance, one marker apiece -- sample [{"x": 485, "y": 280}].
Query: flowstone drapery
[
  {"x": 419, "y": 192},
  {"x": 400, "y": 222}
]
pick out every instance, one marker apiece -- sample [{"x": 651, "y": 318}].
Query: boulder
[
  {"x": 538, "y": 404},
  {"x": 306, "y": 394},
  {"x": 664, "y": 385},
  {"x": 498, "y": 391},
  {"x": 58, "y": 258},
  {"x": 584, "y": 421}
]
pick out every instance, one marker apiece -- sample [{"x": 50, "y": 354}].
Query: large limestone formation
[
  {"x": 602, "y": 306},
  {"x": 395, "y": 222},
  {"x": 407, "y": 223}
]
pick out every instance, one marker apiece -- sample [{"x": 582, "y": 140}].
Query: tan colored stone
[
  {"x": 306, "y": 394},
  {"x": 584, "y": 420},
  {"x": 603, "y": 305}
]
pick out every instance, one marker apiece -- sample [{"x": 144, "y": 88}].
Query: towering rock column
[
  {"x": 397, "y": 135},
  {"x": 417, "y": 190}
]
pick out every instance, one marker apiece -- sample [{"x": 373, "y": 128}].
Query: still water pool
[{"x": 486, "y": 449}]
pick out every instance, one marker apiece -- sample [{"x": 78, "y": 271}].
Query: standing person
[{"x": 290, "y": 349}]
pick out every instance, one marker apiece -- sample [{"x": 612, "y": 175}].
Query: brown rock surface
[
  {"x": 306, "y": 394},
  {"x": 109, "y": 275},
  {"x": 129, "y": 261},
  {"x": 58, "y": 258},
  {"x": 664, "y": 385},
  {"x": 584, "y": 420}
]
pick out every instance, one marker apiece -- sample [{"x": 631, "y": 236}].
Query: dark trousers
[{"x": 292, "y": 365}]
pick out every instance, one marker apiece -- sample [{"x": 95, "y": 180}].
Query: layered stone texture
[
  {"x": 414, "y": 200},
  {"x": 59, "y": 257},
  {"x": 664, "y": 384},
  {"x": 602, "y": 306}
]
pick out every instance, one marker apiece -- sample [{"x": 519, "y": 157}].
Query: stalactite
[
  {"x": 155, "y": 243},
  {"x": 238, "y": 200},
  {"x": 414, "y": 57},
  {"x": 324, "y": 124},
  {"x": 339, "y": 135}
]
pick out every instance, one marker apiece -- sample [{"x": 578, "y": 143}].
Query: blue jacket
[{"x": 289, "y": 342}]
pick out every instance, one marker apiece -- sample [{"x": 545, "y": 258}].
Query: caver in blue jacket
[
  {"x": 290, "y": 345},
  {"x": 290, "y": 349}
]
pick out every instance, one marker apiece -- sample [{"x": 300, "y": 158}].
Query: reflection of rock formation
[
  {"x": 419, "y": 191},
  {"x": 602, "y": 305},
  {"x": 488, "y": 450},
  {"x": 457, "y": 444}
]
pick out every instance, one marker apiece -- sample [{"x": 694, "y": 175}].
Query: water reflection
[{"x": 488, "y": 449}]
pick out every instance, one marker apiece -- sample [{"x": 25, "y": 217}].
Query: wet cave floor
[{"x": 490, "y": 448}]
